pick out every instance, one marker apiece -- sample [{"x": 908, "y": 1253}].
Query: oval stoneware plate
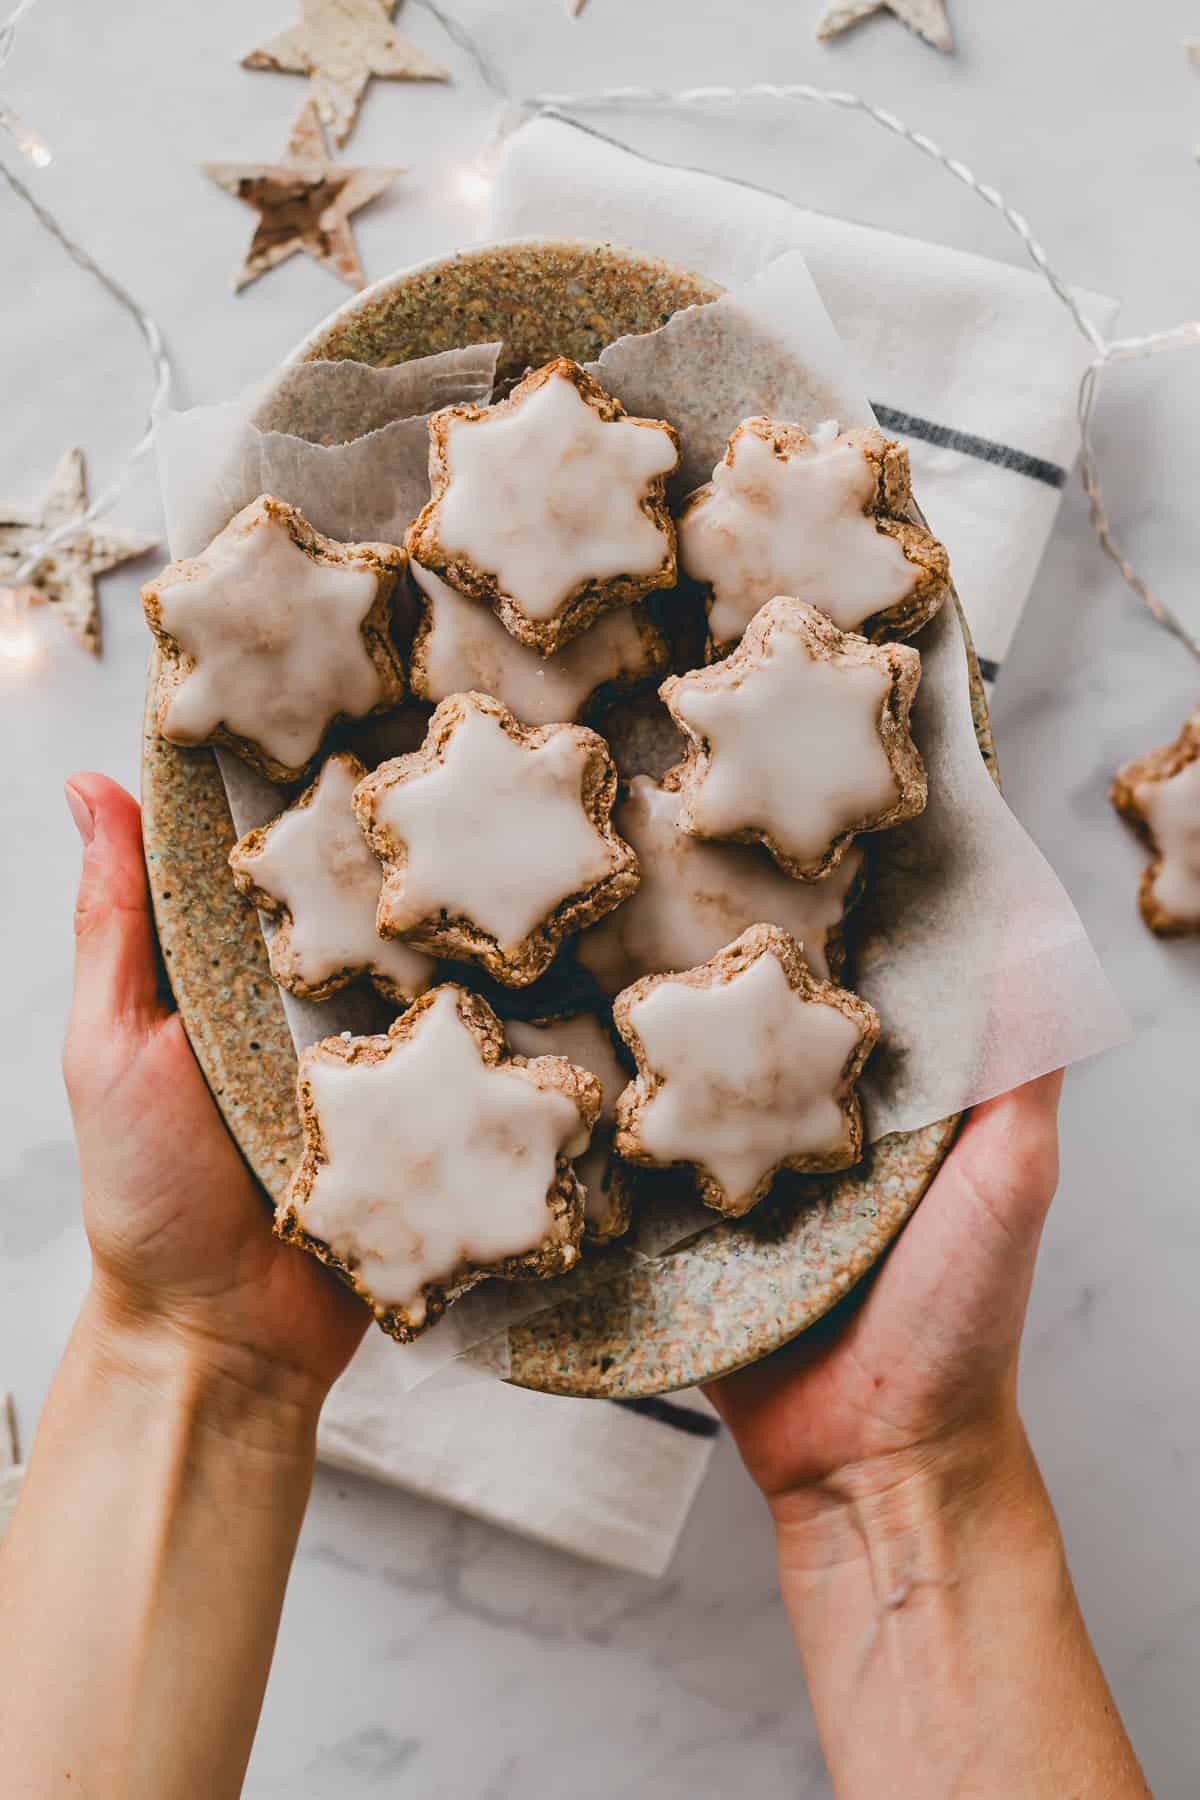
[{"x": 740, "y": 1289}]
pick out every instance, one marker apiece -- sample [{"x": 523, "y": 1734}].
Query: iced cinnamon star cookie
[
  {"x": 433, "y": 1159},
  {"x": 461, "y": 645},
  {"x": 1160, "y": 796},
  {"x": 585, "y": 1040},
  {"x": 549, "y": 506},
  {"x": 496, "y": 838},
  {"x": 694, "y": 897},
  {"x": 272, "y": 634},
  {"x": 818, "y": 516},
  {"x": 311, "y": 870},
  {"x": 746, "y": 1066},
  {"x": 799, "y": 739}
]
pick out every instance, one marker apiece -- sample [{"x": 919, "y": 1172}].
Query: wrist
[
  {"x": 231, "y": 1394},
  {"x": 916, "y": 1547}
]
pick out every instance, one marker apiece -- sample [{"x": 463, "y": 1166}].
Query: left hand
[{"x": 180, "y": 1230}]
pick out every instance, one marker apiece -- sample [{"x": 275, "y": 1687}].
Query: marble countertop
[{"x": 422, "y": 1652}]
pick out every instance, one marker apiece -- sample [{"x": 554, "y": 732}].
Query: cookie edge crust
[
  {"x": 655, "y": 649},
  {"x": 734, "y": 959},
  {"x": 592, "y": 597},
  {"x": 924, "y": 553},
  {"x": 830, "y": 643},
  {"x": 564, "y": 1197},
  {"x": 1157, "y": 765},
  {"x": 459, "y": 938},
  {"x": 387, "y": 562},
  {"x": 620, "y": 1191},
  {"x": 279, "y": 945}
]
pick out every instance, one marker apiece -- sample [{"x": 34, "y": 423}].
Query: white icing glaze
[
  {"x": 751, "y": 1074},
  {"x": 793, "y": 525},
  {"x": 468, "y": 648},
  {"x": 696, "y": 897},
  {"x": 315, "y": 861},
  {"x": 794, "y": 746},
  {"x": 276, "y": 639},
  {"x": 496, "y": 832},
  {"x": 433, "y": 1159},
  {"x": 584, "y": 1041},
  {"x": 1172, "y": 810},
  {"x": 548, "y": 495}
]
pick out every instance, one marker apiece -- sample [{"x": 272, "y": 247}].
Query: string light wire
[
  {"x": 147, "y": 326},
  {"x": 1105, "y": 352}
]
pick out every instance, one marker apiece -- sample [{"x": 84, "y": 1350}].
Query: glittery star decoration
[
  {"x": 926, "y": 17},
  {"x": 303, "y": 202},
  {"x": 65, "y": 578},
  {"x": 340, "y": 45}
]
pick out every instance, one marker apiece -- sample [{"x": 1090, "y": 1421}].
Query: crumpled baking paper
[{"x": 972, "y": 953}]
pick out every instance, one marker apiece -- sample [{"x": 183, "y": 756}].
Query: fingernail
[{"x": 81, "y": 812}]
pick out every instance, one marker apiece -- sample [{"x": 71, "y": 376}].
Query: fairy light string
[
  {"x": 18, "y": 590},
  {"x": 476, "y": 176}
]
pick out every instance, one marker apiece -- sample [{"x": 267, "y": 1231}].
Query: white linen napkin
[{"x": 975, "y": 366}]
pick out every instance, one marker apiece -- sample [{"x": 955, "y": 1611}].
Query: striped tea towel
[{"x": 975, "y": 365}]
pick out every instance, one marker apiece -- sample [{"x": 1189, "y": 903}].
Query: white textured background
[{"x": 422, "y": 1653}]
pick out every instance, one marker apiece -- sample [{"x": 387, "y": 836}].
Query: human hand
[
  {"x": 180, "y": 1231},
  {"x": 916, "y": 1372}
]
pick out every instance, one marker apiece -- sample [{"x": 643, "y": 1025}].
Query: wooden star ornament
[
  {"x": 304, "y": 202},
  {"x": 340, "y": 45},
  {"x": 926, "y": 17},
  {"x": 65, "y": 578}
]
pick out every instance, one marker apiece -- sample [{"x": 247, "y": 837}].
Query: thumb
[{"x": 116, "y": 969}]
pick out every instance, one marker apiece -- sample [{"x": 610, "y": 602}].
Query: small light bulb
[
  {"x": 29, "y": 142},
  {"x": 18, "y": 645},
  {"x": 474, "y": 185}
]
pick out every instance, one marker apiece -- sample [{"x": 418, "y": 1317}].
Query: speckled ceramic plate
[{"x": 741, "y": 1289}]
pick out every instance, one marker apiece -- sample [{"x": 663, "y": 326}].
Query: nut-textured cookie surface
[
  {"x": 694, "y": 897},
  {"x": 496, "y": 838},
  {"x": 586, "y": 1041},
  {"x": 1159, "y": 795},
  {"x": 312, "y": 870},
  {"x": 799, "y": 739},
  {"x": 746, "y": 1066},
  {"x": 432, "y": 1159},
  {"x": 549, "y": 506},
  {"x": 461, "y": 645},
  {"x": 817, "y": 516},
  {"x": 272, "y": 634}
]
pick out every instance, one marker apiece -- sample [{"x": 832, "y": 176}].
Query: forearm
[
  {"x": 944, "y": 1647},
  {"x": 142, "y": 1578}
]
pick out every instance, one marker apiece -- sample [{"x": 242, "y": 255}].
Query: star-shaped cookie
[
  {"x": 340, "y": 45},
  {"x": 304, "y": 202},
  {"x": 746, "y": 1066},
  {"x": 310, "y": 869},
  {"x": 1159, "y": 795},
  {"x": 694, "y": 897},
  {"x": 926, "y": 17},
  {"x": 820, "y": 516},
  {"x": 799, "y": 739},
  {"x": 496, "y": 839},
  {"x": 432, "y": 1160},
  {"x": 586, "y": 1041},
  {"x": 272, "y": 634},
  {"x": 461, "y": 646},
  {"x": 66, "y": 576},
  {"x": 549, "y": 506}
]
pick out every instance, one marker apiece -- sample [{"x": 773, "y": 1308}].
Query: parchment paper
[{"x": 976, "y": 960}]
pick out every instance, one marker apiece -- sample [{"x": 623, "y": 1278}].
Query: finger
[
  {"x": 116, "y": 969},
  {"x": 1007, "y": 1157}
]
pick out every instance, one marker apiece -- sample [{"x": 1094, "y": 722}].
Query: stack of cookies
[{"x": 596, "y": 974}]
